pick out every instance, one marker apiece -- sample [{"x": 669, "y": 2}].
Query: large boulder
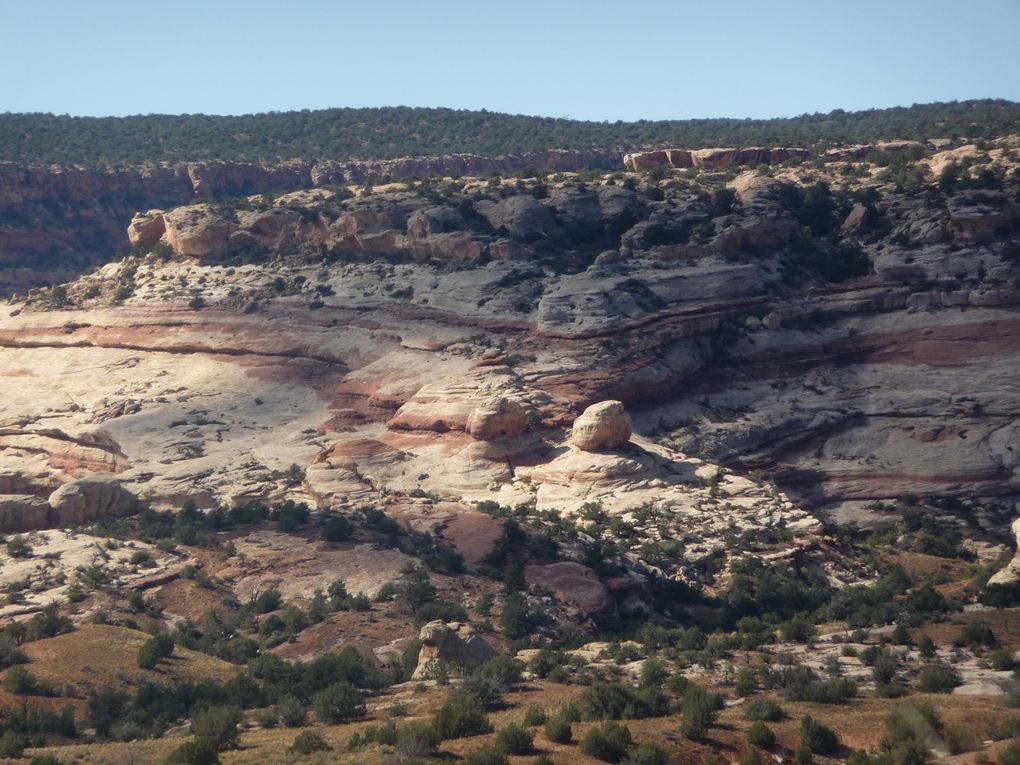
[
  {"x": 573, "y": 584},
  {"x": 499, "y": 416},
  {"x": 605, "y": 425},
  {"x": 89, "y": 498},
  {"x": 23, "y": 512},
  {"x": 198, "y": 231},
  {"x": 453, "y": 643},
  {"x": 146, "y": 228}
]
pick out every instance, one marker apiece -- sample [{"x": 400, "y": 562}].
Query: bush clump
[
  {"x": 608, "y": 742},
  {"x": 307, "y": 742}
]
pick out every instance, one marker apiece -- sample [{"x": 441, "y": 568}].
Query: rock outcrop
[
  {"x": 711, "y": 158},
  {"x": 453, "y": 644},
  {"x": 60, "y": 220},
  {"x": 574, "y": 584},
  {"x": 605, "y": 425},
  {"x": 90, "y": 498}
]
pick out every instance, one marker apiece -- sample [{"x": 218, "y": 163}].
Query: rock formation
[
  {"x": 711, "y": 158},
  {"x": 605, "y": 425},
  {"x": 454, "y": 644},
  {"x": 90, "y": 498}
]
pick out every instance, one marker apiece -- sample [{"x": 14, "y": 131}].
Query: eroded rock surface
[{"x": 453, "y": 644}]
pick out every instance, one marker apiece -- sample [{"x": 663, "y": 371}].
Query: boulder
[
  {"x": 453, "y": 643},
  {"x": 23, "y": 512},
  {"x": 520, "y": 217},
  {"x": 500, "y": 416},
  {"x": 574, "y": 584},
  {"x": 89, "y": 498},
  {"x": 198, "y": 231},
  {"x": 146, "y": 229},
  {"x": 605, "y": 425}
]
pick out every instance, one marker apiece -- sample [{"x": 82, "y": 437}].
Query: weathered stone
[
  {"x": 90, "y": 498},
  {"x": 454, "y": 644},
  {"x": 605, "y": 425}
]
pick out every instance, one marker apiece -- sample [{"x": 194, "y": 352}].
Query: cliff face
[
  {"x": 56, "y": 221},
  {"x": 857, "y": 346}
]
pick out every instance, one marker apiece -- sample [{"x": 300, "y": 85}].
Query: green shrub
[
  {"x": 648, "y": 753},
  {"x": 1009, "y": 755},
  {"x": 154, "y": 650},
  {"x": 198, "y": 751},
  {"x": 18, "y": 547},
  {"x": 760, "y": 734},
  {"x": 534, "y": 716},
  {"x": 1002, "y": 659},
  {"x": 460, "y": 716},
  {"x": 959, "y": 739},
  {"x": 44, "y": 759},
  {"x": 514, "y": 739},
  {"x": 20, "y": 681},
  {"x": 307, "y": 742},
  {"x": 338, "y": 703},
  {"x": 557, "y": 729},
  {"x": 416, "y": 740},
  {"x": 818, "y": 738},
  {"x": 765, "y": 710},
  {"x": 12, "y": 744},
  {"x": 751, "y": 757},
  {"x": 505, "y": 669},
  {"x": 292, "y": 712},
  {"x": 699, "y": 711},
  {"x": 608, "y": 742},
  {"x": 218, "y": 725},
  {"x": 487, "y": 755},
  {"x": 938, "y": 677}
]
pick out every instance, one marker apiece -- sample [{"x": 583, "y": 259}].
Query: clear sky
[{"x": 586, "y": 59}]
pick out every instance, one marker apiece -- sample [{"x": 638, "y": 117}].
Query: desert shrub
[
  {"x": 154, "y": 650},
  {"x": 817, "y": 737},
  {"x": 615, "y": 701},
  {"x": 44, "y": 759},
  {"x": 292, "y": 712},
  {"x": 12, "y": 744},
  {"x": 751, "y": 757},
  {"x": 648, "y": 753},
  {"x": 938, "y": 677},
  {"x": 514, "y": 739},
  {"x": 1009, "y": 755},
  {"x": 460, "y": 716},
  {"x": 558, "y": 730},
  {"x": 1002, "y": 659},
  {"x": 337, "y": 528},
  {"x": 268, "y": 600},
  {"x": 765, "y": 710},
  {"x": 338, "y": 703},
  {"x": 20, "y": 681},
  {"x": 516, "y": 618},
  {"x": 760, "y": 734},
  {"x": 198, "y": 751},
  {"x": 487, "y": 755},
  {"x": 416, "y": 740},
  {"x": 960, "y": 739},
  {"x": 608, "y": 742},
  {"x": 534, "y": 716},
  {"x": 18, "y": 547},
  {"x": 218, "y": 725},
  {"x": 505, "y": 669},
  {"x": 307, "y": 742},
  {"x": 699, "y": 711}
]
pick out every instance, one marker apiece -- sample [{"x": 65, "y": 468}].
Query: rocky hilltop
[{"x": 55, "y": 221}]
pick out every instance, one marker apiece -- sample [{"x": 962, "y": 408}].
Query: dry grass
[{"x": 99, "y": 655}]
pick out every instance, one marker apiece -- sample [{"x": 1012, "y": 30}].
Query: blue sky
[{"x": 594, "y": 59}]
